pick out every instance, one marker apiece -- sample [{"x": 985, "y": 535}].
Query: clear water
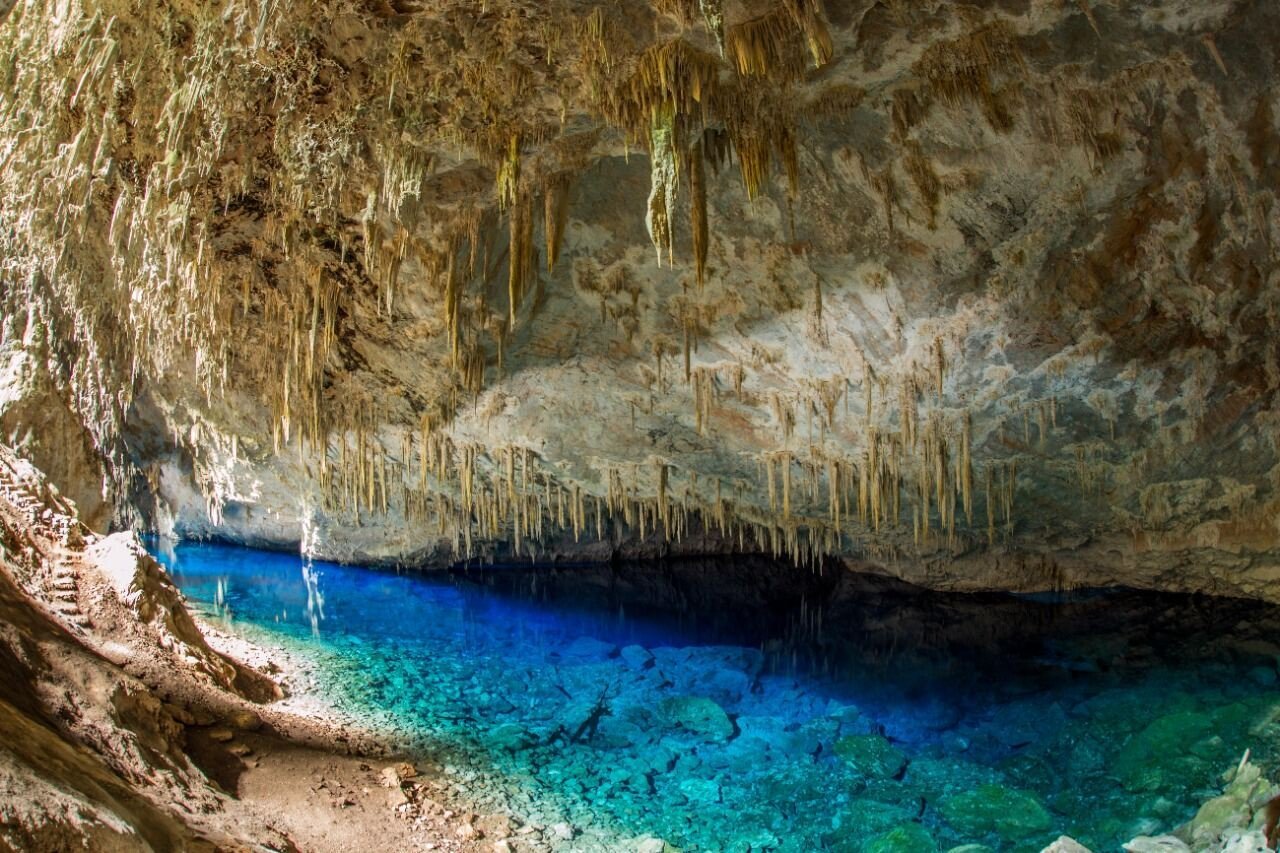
[{"x": 748, "y": 706}]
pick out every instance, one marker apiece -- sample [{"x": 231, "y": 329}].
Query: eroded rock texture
[{"x": 982, "y": 294}]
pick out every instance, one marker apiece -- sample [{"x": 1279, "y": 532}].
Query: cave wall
[{"x": 983, "y": 295}]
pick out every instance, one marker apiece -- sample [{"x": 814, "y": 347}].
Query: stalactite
[
  {"x": 698, "y": 214},
  {"x": 965, "y": 467},
  {"x": 555, "y": 213},
  {"x": 663, "y": 183}
]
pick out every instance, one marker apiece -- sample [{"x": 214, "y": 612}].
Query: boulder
[
  {"x": 1011, "y": 814},
  {"x": 871, "y": 755},
  {"x": 907, "y": 838},
  {"x": 637, "y": 657},
  {"x": 589, "y": 649},
  {"x": 698, "y": 715},
  {"x": 511, "y": 737}
]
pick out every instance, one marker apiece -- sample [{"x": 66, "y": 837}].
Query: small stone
[
  {"x": 467, "y": 832},
  {"x": 501, "y": 846},
  {"x": 239, "y": 750},
  {"x": 562, "y": 832},
  {"x": 1066, "y": 844},
  {"x": 649, "y": 844},
  {"x": 244, "y": 720},
  {"x": 221, "y": 735}
]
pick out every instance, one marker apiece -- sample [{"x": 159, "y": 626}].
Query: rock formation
[{"x": 980, "y": 294}]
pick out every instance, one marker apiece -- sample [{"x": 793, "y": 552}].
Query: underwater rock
[
  {"x": 1160, "y": 754},
  {"x": 760, "y": 731},
  {"x": 698, "y": 715},
  {"x": 871, "y": 755},
  {"x": 1264, "y": 676},
  {"x": 726, "y": 686},
  {"x": 512, "y": 737},
  {"x": 1007, "y": 812},
  {"x": 937, "y": 777},
  {"x": 908, "y": 838},
  {"x": 1064, "y": 844},
  {"x": 637, "y": 657},
  {"x": 700, "y": 791},
  {"x": 589, "y": 649},
  {"x": 862, "y": 818}
]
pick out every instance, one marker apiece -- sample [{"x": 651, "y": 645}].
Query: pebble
[{"x": 221, "y": 735}]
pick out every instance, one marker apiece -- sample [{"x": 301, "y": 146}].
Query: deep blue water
[{"x": 742, "y": 705}]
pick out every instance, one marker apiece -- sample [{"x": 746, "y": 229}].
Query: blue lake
[{"x": 743, "y": 705}]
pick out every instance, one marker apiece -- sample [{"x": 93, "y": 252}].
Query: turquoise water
[{"x": 741, "y": 705}]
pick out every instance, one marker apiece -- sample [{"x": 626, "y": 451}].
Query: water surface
[{"x": 744, "y": 705}]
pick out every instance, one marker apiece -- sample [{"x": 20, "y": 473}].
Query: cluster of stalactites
[{"x": 678, "y": 103}]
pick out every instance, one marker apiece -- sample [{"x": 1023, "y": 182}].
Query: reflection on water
[
  {"x": 743, "y": 702},
  {"x": 315, "y": 599}
]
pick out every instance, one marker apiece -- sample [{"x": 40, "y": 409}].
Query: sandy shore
[{"x": 333, "y": 780}]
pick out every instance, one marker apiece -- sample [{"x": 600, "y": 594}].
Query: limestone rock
[
  {"x": 1066, "y": 844},
  {"x": 1007, "y": 812},
  {"x": 697, "y": 715},
  {"x": 871, "y": 755},
  {"x": 907, "y": 838}
]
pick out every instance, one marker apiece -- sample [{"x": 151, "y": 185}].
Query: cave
[{"x": 640, "y": 425}]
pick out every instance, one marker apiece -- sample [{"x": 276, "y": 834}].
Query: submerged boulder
[
  {"x": 865, "y": 818},
  {"x": 871, "y": 755},
  {"x": 907, "y": 838},
  {"x": 511, "y": 737},
  {"x": 1011, "y": 814},
  {"x": 698, "y": 715},
  {"x": 1163, "y": 753}
]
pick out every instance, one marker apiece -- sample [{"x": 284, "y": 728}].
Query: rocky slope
[
  {"x": 92, "y": 755},
  {"x": 980, "y": 294},
  {"x": 123, "y": 729}
]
